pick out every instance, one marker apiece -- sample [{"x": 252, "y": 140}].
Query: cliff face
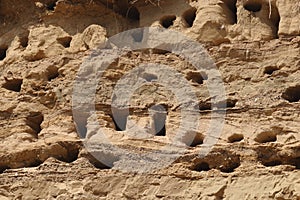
[{"x": 255, "y": 45}]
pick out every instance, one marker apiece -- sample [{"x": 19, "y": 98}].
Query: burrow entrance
[
  {"x": 189, "y": 16},
  {"x": 253, "y": 6},
  {"x": 292, "y": 94},
  {"x": 13, "y": 84},
  {"x": 167, "y": 21},
  {"x": 270, "y": 70},
  {"x": 265, "y": 137},
  {"x": 52, "y": 72},
  {"x": 198, "y": 140},
  {"x": 231, "y": 5},
  {"x": 235, "y": 138},
  {"x": 65, "y": 41},
  {"x": 3, "y": 51},
  {"x": 51, "y": 5}
]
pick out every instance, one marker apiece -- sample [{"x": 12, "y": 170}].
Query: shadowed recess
[
  {"x": 71, "y": 154},
  {"x": 133, "y": 13},
  {"x": 167, "y": 21},
  {"x": 229, "y": 168},
  {"x": 3, "y": 51},
  {"x": 65, "y": 41},
  {"x": 296, "y": 162},
  {"x": 51, "y": 5},
  {"x": 13, "y": 85},
  {"x": 52, "y": 72},
  {"x": 272, "y": 163},
  {"x": 198, "y": 140},
  {"x": 230, "y": 103},
  {"x": 275, "y": 19},
  {"x": 3, "y": 168},
  {"x": 34, "y": 121},
  {"x": 265, "y": 137},
  {"x": 231, "y": 6},
  {"x": 253, "y": 6},
  {"x": 270, "y": 69},
  {"x": 189, "y": 16},
  {"x": 235, "y": 138},
  {"x": 24, "y": 39},
  {"x": 128, "y": 11},
  {"x": 205, "y": 106},
  {"x": 195, "y": 77},
  {"x": 292, "y": 94},
  {"x": 202, "y": 166}
]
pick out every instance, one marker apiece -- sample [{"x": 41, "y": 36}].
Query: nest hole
[
  {"x": 52, "y": 73},
  {"x": 292, "y": 94},
  {"x": 189, "y": 16},
  {"x": 51, "y": 6},
  {"x": 65, "y": 41},
  {"x": 198, "y": 140},
  {"x": 13, "y": 85},
  {"x": 133, "y": 13},
  {"x": 3, "y": 168},
  {"x": 72, "y": 152},
  {"x": 205, "y": 106},
  {"x": 230, "y": 167},
  {"x": 202, "y": 166},
  {"x": 231, "y": 5},
  {"x": 128, "y": 11},
  {"x": 296, "y": 162},
  {"x": 265, "y": 137},
  {"x": 3, "y": 51},
  {"x": 230, "y": 103},
  {"x": 235, "y": 138},
  {"x": 272, "y": 163},
  {"x": 35, "y": 163},
  {"x": 196, "y": 77},
  {"x": 270, "y": 70},
  {"x": 253, "y": 6},
  {"x": 167, "y": 21}
]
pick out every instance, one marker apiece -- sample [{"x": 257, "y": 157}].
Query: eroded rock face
[{"x": 43, "y": 154}]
